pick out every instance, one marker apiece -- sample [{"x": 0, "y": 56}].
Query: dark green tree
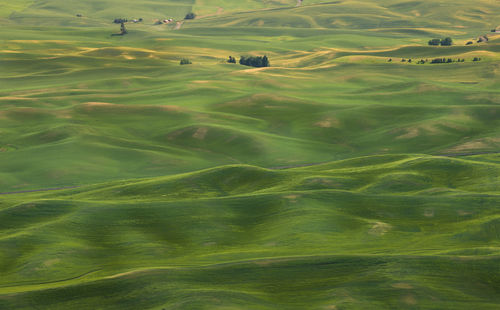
[
  {"x": 123, "y": 30},
  {"x": 265, "y": 62},
  {"x": 446, "y": 42},
  {"x": 434, "y": 42}
]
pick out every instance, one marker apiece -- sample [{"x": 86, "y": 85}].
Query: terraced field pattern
[{"x": 347, "y": 175}]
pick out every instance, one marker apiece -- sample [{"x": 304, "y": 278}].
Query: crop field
[{"x": 353, "y": 173}]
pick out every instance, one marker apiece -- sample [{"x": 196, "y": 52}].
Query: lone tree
[
  {"x": 190, "y": 16},
  {"x": 446, "y": 42},
  {"x": 123, "y": 30},
  {"x": 265, "y": 62},
  {"x": 231, "y": 60}
]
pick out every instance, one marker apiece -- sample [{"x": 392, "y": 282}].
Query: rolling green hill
[
  {"x": 341, "y": 177},
  {"x": 371, "y": 232}
]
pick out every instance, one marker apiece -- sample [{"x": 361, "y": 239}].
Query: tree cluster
[
  {"x": 120, "y": 20},
  {"x": 435, "y": 61},
  {"x": 185, "y": 61},
  {"x": 255, "y": 61},
  {"x": 443, "y": 42},
  {"x": 231, "y": 60}
]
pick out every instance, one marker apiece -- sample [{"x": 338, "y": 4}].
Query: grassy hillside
[
  {"x": 341, "y": 177},
  {"x": 366, "y": 232}
]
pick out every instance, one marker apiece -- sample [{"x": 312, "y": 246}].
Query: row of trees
[
  {"x": 257, "y": 61},
  {"x": 443, "y": 42},
  {"x": 437, "y": 60},
  {"x": 125, "y": 20},
  {"x": 120, "y": 20},
  {"x": 444, "y": 60}
]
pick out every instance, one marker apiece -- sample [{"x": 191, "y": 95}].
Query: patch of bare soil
[
  {"x": 429, "y": 213},
  {"x": 409, "y": 299},
  {"x": 410, "y": 133},
  {"x": 401, "y": 285},
  {"x": 379, "y": 229},
  {"x": 178, "y": 25},
  {"x": 200, "y": 133},
  {"x": 171, "y": 108},
  {"x": 486, "y": 143},
  {"x": 328, "y": 123},
  {"x": 98, "y": 103}
]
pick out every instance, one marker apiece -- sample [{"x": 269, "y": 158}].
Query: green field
[{"x": 341, "y": 177}]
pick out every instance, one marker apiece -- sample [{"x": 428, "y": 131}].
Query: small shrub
[
  {"x": 231, "y": 60},
  {"x": 190, "y": 16}
]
